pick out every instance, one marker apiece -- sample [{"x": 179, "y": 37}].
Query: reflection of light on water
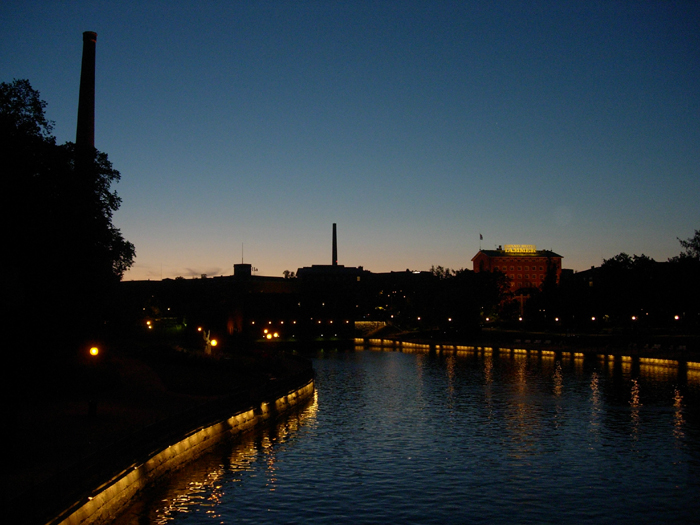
[
  {"x": 206, "y": 490},
  {"x": 658, "y": 372},
  {"x": 678, "y": 420},
  {"x": 558, "y": 389},
  {"x": 488, "y": 380},
  {"x": 451, "y": 362},
  {"x": 636, "y": 404},
  {"x": 488, "y": 369},
  {"x": 203, "y": 493},
  {"x": 558, "y": 380},
  {"x": 520, "y": 417},
  {"x": 595, "y": 402},
  {"x": 595, "y": 390},
  {"x": 626, "y": 367},
  {"x": 693, "y": 376}
]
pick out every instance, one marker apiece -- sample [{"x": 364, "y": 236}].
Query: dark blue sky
[{"x": 415, "y": 126}]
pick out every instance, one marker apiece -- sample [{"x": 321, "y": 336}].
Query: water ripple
[{"x": 412, "y": 438}]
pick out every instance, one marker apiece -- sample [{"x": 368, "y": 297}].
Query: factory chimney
[
  {"x": 85, "y": 135},
  {"x": 335, "y": 247}
]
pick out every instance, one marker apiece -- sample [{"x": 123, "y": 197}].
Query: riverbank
[
  {"x": 679, "y": 347},
  {"x": 77, "y": 429}
]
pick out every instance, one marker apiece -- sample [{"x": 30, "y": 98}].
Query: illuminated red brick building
[{"x": 524, "y": 264}]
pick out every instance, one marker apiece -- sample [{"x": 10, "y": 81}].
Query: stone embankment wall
[
  {"x": 691, "y": 369},
  {"x": 102, "y": 504}
]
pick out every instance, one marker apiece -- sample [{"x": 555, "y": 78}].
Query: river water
[{"x": 479, "y": 437}]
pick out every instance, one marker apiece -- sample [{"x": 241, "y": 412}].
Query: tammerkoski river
[{"x": 475, "y": 437}]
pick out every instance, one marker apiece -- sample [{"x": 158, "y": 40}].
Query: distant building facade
[{"x": 523, "y": 264}]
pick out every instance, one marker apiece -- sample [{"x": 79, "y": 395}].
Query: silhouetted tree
[
  {"x": 63, "y": 254},
  {"x": 684, "y": 287},
  {"x": 691, "y": 247}
]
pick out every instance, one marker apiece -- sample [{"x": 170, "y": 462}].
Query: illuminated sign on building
[{"x": 520, "y": 248}]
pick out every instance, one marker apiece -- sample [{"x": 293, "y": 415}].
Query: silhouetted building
[
  {"x": 330, "y": 296},
  {"x": 85, "y": 133},
  {"x": 523, "y": 264}
]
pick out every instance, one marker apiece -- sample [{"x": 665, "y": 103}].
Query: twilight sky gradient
[{"x": 415, "y": 126}]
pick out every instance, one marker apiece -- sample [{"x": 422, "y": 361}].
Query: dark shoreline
[
  {"x": 128, "y": 425},
  {"x": 681, "y": 347}
]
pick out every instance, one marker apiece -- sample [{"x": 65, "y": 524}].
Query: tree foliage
[
  {"x": 65, "y": 253},
  {"x": 691, "y": 247}
]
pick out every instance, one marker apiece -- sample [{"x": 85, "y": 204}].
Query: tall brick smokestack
[
  {"x": 335, "y": 247},
  {"x": 85, "y": 135}
]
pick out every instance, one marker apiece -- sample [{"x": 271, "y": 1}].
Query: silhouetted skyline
[{"x": 414, "y": 126}]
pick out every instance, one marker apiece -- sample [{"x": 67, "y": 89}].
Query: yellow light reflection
[
  {"x": 595, "y": 405},
  {"x": 558, "y": 380},
  {"x": 678, "y": 419},
  {"x": 197, "y": 487},
  {"x": 636, "y": 405}
]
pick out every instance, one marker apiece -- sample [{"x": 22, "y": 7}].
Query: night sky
[{"x": 415, "y": 126}]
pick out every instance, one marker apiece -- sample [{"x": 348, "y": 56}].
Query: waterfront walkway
[{"x": 62, "y": 447}]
